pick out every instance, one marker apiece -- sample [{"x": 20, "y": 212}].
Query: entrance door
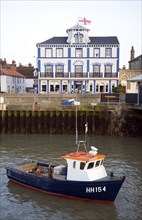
[
  {"x": 102, "y": 88},
  {"x": 78, "y": 86}
]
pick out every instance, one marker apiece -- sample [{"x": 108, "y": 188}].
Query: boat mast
[
  {"x": 82, "y": 142},
  {"x": 76, "y": 129}
]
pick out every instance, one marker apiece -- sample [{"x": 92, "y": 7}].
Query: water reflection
[
  {"x": 57, "y": 208},
  {"x": 124, "y": 157}
]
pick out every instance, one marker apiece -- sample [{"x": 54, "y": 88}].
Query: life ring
[
  {"x": 77, "y": 154},
  {"x": 82, "y": 153}
]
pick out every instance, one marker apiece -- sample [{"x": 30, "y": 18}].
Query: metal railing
[{"x": 78, "y": 75}]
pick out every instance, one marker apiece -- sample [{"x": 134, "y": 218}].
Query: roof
[
  {"x": 10, "y": 72},
  {"x": 28, "y": 72},
  {"x": 94, "y": 40},
  {"x": 136, "y": 58},
  {"x": 83, "y": 156},
  {"x": 136, "y": 79},
  {"x": 55, "y": 40}
]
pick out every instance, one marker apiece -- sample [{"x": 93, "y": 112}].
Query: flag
[
  {"x": 84, "y": 21},
  {"x": 76, "y": 102}
]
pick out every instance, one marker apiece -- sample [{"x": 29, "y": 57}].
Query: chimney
[
  {"x": 3, "y": 63},
  {"x": 132, "y": 53},
  {"x": 13, "y": 65}
]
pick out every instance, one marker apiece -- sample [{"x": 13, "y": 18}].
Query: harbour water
[{"x": 124, "y": 157}]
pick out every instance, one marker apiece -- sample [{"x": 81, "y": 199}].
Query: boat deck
[
  {"x": 33, "y": 167},
  {"x": 37, "y": 169}
]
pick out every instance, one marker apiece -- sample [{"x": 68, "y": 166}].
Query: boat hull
[{"x": 104, "y": 189}]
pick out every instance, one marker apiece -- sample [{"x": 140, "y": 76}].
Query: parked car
[{"x": 31, "y": 91}]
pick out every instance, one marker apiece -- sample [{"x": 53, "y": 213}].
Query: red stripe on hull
[{"x": 56, "y": 194}]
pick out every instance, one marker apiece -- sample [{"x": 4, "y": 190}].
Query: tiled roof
[
  {"x": 10, "y": 72},
  {"x": 104, "y": 40},
  {"x": 94, "y": 40},
  {"x": 55, "y": 40},
  {"x": 136, "y": 58},
  {"x": 26, "y": 71}
]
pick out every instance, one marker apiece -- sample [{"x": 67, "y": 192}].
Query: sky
[{"x": 24, "y": 23}]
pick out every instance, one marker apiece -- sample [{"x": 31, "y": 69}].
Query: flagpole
[{"x": 76, "y": 128}]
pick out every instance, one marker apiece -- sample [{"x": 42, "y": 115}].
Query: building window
[
  {"x": 106, "y": 87},
  {"x": 96, "y": 52},
  {"x": 108, "y": 52},
  {"x": 48, "y": 52},
  {"x": 59, "y": 52},
  {"x": 51, "y": 88},
  {"x": 97, "y": 88},
  {"x": 56, "y": 88},
  {"x": 43, "y": 88},
  {"x": 78, "y": 52},
  {"x": 49, "y": 70},
  {"x": 65, "y": 88},
  {"x": 78, "y": 38},
  {"x": 78, "y": 69},
  {"x": 113, "y": 86},
  {"x": 96, "y": 69},
  {"x": 59, "y": 70},
  {"x": 108, "y": 69}
]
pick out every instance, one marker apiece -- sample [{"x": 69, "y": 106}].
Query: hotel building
[{"x": 78, "y": 63}]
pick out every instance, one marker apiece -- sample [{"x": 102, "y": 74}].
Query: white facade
[
  {"x": 133, "y": 84},
  {"x": 12, "y": 84},
  {"x": 78, "y": 63}
]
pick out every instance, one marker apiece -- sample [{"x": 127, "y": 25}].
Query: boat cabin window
[
  {"x": 97, "y": 163},
  {"x": 90, "y": 165},
  {"x": 101, "y": 163},
  {"x": 74, "y": 164},
  {"x": 82, "y": 165}
]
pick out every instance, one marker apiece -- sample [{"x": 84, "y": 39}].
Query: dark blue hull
[{"x": 105, "y": 189}]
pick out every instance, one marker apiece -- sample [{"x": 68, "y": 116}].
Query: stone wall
[{"x": 43, "y": 102}]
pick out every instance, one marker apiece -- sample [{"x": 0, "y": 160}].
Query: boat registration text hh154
[{"x": 95, "y": 189}]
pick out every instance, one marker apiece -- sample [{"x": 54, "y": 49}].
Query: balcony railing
[
  {"x": 110, "y": 75},
  {"x": 43, "y": 74},
  {"x": 78, "y": 75},
  {"x": 95, "y": 75}
]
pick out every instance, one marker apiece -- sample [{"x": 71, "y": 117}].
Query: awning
[{"x": 136, "y": 79}]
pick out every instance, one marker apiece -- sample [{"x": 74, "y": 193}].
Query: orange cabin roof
[{"x": 83, "y": 156}]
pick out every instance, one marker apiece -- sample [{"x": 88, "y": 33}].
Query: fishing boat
[{"x": 82, "y": 177}]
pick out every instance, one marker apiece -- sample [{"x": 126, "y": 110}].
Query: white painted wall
[{"x": 11, "y": 84}]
